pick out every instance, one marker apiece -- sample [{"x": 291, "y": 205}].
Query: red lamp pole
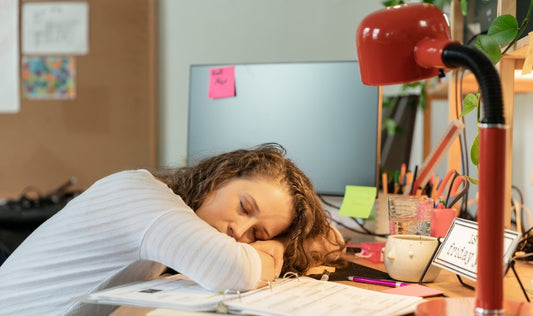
[{"x": 411, "y": 42}]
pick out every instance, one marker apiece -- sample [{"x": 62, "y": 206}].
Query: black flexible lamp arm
[{"x": 456, "y": 55}]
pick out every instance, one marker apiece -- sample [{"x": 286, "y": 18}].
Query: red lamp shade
[{"x": 388, "y": 39}]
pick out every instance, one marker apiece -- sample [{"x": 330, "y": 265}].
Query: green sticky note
[{"x": 358, "y": 201}]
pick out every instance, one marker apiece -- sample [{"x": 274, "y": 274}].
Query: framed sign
[{"x": 458, "y": 251}]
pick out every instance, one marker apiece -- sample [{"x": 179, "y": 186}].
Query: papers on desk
[{"x": 294, "y": 296}]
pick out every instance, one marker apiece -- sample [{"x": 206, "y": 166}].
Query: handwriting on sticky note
[
  {"x": 358, "y": 201},
  {"x": 221, "y": 82}
]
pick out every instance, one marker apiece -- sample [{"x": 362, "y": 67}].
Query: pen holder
[
  {"x": 406, "y": 257},
  {"x": 410, "y": 215},
  {"x": 441, "y": 220}
]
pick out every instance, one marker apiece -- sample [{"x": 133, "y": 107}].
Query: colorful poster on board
[{"x": 49, "y": 77}]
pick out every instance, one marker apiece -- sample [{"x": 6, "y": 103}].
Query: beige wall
[{"x": 241, "y": 31}]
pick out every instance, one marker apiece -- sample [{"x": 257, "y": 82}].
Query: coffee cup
[{"x": 407, "y": 256}]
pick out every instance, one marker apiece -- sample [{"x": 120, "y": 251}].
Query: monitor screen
[{"x": 320, "y": 112}]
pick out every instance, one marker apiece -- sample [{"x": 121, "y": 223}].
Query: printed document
[{"x": 289, "y": 296}]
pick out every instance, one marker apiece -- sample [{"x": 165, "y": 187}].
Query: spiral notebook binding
[
  {"x": 289, "y": 275},
  {"x": 222, "y": 308}
]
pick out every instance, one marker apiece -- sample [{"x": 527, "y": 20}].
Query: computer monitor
[{"x": 320, "y": 112}]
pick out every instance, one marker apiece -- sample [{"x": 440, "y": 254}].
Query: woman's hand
[{"x": 271, "y": 253}]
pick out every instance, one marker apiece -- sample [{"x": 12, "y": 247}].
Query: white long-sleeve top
[{"x": 126, "y": 227}]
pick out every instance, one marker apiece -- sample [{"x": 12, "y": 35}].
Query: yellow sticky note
[{"x": 358, "y": 201}]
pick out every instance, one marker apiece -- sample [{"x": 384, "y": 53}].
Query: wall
[
  {"x": 109, "y": 122},
  {"x": 240, "y": 31},
  {"x": 230, "y": 31},
  {"x": 522, "y": 149}
]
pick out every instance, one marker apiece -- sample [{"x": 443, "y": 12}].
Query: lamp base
[{"x": 460, "y": 306}]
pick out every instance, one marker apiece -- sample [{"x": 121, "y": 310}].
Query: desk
[{"x": 446, "y": 282}]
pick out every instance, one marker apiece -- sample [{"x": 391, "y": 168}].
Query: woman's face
[{"x": 248, "y": 209}]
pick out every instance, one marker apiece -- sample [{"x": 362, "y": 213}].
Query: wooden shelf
[
  {"x": 520, "y": 50},
  {"x": 511, "y": 84},
  {"x": 469, "y": 84}
]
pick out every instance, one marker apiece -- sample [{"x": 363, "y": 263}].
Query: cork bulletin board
[{"x": 108, "y": 121}]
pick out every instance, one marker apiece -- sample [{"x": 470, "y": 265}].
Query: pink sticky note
[
  {"x": 414, "y": 290},
  {"x": 221, "y": 82}
]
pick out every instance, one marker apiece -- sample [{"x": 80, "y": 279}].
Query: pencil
[
  {"x": 385, "y": 183},
  {"x": 402, "y": 174},
  {"x": 434, "y": 188},
  {"x": 408, "y": 182}
]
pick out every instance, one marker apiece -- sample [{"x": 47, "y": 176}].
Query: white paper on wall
[
  {"x": 9, "y": 57},
  {"x": 55, "y": 28}
]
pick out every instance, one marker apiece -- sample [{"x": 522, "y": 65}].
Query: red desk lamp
[{"x": 411, "y": 42}]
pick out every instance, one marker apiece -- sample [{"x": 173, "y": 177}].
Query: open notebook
[{"x": 288, "y": 296}]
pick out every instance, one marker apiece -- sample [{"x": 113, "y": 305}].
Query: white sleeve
[{"x": 187, "y": 244}]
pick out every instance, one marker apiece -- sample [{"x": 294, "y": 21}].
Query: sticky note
[
  {"x": 358, "y": 201},
  {"x": 221, "y": 82},
  {"x": 414, "y": 290}
]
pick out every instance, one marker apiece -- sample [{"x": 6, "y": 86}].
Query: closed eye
[{"x": 243, "y": 209}]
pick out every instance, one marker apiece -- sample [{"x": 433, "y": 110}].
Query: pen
[
  {"x": 413, "y": 188},
  {"x": 378, "y": 282},
  {"x": 396, "y": 181}
]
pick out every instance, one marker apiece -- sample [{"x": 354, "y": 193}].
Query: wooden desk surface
[{"x": 446, "y": 282}]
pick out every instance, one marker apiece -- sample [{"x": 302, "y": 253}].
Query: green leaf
[
  {"x": 414, "y": 84},
  {"x": 390, "y": 126},
  {"x": 503, "y": 29},
  {"x": 392, "y": 2},
  {"x": 474, "y": 151},
  {"x": 464, "y": 7},
  {"x": 472, "y": 180},
  {"x": 470, "y": 103},
  {"x": 422, "y": 101},
  {"x": 387, "y": 103},
  {"x": 490, "y": 47}
]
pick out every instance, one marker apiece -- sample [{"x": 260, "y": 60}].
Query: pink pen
[{"x": 378, "y": 282}]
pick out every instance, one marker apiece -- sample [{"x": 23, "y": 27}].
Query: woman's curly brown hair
[{"x": 193, "y": 184}]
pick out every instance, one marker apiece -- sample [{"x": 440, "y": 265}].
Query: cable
[
  {"x": 522, "y": 256},
  {"x": 519, "y": 193},
  {"x": 524, "y": 245},
  {"x": 463, "y": 144},
  {"x": 365, "y": 230},
  {"x": 465, "y": 161},
  {"x": 463, "y": 211},
  {"x": 328, "y": 203}
]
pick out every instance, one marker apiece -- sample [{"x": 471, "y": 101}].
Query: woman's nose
[{"x": 241, "y": 231}]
